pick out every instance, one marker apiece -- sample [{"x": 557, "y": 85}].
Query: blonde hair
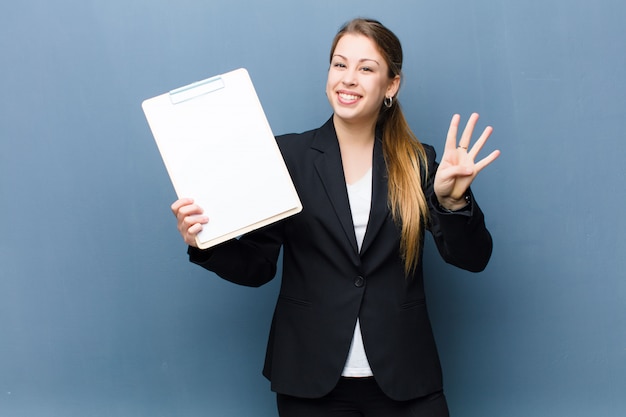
[{"x": 405, "y": 156}]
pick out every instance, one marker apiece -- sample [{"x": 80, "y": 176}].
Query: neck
[
  {"x": 356, "y": 142},
  {"x": 354, "y": 134}
]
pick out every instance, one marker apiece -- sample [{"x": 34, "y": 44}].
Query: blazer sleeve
[
  {"x": 461, "y": 237},
  {"x": 249, "y": 260}
]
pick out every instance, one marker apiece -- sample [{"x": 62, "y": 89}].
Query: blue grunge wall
[{"x": 102, "y": 315}]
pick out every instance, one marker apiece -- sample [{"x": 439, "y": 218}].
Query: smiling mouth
[{"x": 348, "y": 98}]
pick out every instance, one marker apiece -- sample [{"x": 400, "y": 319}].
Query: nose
[{"x": 349, "y": 78}]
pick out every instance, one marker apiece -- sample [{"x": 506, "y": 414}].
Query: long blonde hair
[{"x": 404, "y": 154}]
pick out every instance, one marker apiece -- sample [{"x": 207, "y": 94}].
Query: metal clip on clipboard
[{"x": 196, "y": 89}]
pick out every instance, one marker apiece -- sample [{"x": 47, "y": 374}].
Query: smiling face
[{"x": 358, "y": 80}]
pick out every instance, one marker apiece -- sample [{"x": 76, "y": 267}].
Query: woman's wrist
[{"x": 451, "y": 205}]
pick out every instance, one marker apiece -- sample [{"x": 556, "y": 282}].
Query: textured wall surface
[{"x": 102, "y": 315}]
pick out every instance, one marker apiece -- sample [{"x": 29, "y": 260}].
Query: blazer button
[{"x": 359, "y": 282}]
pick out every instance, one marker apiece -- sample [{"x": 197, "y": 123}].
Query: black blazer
[{"x": 327, "y": 283}]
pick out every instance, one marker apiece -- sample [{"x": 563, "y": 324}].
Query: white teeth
[{"x": 348, "y": 96}]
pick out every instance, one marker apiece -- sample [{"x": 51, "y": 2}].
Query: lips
[{"x": 348, "y": 98}]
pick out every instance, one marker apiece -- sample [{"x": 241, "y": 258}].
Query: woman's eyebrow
[{"x": 360, "y": 60}]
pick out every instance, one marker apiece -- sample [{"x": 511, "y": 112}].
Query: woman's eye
[
  {"x": 339, "y": 65},
  {"x": 366, "y": 69}
]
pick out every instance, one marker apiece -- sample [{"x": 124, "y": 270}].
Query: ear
[{"x": 393, "y": 87}]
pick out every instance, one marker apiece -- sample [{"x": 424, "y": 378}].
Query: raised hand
[{"x": 458, "y": 168}]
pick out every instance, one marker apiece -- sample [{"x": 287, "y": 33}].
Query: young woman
[{"x": 350, "y": 334}]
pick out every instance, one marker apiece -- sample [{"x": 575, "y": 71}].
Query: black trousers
[{"x": 361, "y": 397}]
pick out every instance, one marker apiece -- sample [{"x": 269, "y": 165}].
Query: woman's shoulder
[
  {"x": 296, "y": 141},
  {"x": 430, "y": 150},
  {"x": 431, "y": 154}
]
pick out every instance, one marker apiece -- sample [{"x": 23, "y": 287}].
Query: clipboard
[{"x": 219, "y": 149}]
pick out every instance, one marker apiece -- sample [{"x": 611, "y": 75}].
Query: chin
[{"x": 352, "y": 116}]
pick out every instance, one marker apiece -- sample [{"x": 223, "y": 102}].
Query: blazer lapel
[
  {"x": 379, "y": 209},
  {"x": 330, "y": 170}
]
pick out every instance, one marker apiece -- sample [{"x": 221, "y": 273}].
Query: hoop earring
[{"x": 388, "y": 101}]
